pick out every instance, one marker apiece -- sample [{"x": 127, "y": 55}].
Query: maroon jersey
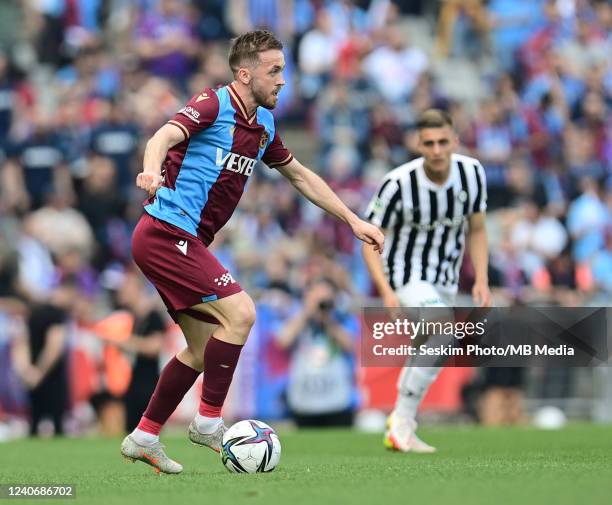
[{"x": 205, "y": 175}]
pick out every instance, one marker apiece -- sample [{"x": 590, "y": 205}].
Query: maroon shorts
[{"x": 180, "y": 266}]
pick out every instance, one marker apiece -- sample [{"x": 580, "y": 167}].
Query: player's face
[
  {"x": 267, "y": 78},
  {"x": 437, "y": 145}
]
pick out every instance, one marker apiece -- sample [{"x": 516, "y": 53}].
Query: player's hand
[
  {"x": 148, "y": 181},
  {"x": 370, "y": 234},
  {"x": 392, "y": 303},
  {"x": 481, "y": 294},
  {"x": 390, "y": 300}
]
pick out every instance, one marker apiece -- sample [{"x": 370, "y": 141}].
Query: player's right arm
[
  {"x": 382, "y": 211},
  {"x": 198, "y": 114},
  {"x": 150, "y": 179},
  {"x": 374, "y": 264}
]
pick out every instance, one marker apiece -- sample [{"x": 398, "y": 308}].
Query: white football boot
[
  {"x": 401, "y": 436},
  {"x": 212, "y": 440},
  {"x": 153, "y": 455}
]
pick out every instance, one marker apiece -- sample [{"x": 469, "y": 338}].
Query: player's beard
[{"x": 263, "y": 99}]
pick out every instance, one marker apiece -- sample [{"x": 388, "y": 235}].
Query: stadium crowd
[{"x": 84, "y": 83}]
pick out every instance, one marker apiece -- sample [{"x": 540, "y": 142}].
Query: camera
[{"x": 326, "y": 305}]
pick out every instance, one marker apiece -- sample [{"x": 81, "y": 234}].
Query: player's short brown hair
[
  {"x": 246, "y": 48},
  {"x": 434, "y": 118}
]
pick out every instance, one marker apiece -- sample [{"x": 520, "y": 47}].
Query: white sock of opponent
[
  {"x": 414, "y": 381},
  {"x": 412, "y": 385}
]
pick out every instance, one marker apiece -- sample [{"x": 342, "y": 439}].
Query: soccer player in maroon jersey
[{"x": 195, "y": 170}]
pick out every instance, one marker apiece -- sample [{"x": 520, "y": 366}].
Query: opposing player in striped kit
[
  {"x": 195, "y": 169},
  {"x": 427, "y": 208}
]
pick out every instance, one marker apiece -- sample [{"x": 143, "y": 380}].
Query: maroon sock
[
  {"x": 175, "y": 380},
  {"x": 220, "y": 360}
]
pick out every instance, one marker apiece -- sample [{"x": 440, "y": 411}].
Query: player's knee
[{"x": 244, "y": 315}]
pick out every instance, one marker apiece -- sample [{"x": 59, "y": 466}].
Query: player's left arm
[
  {"x": 318, "y": 192},
  {"x": 479, "y": 252}
]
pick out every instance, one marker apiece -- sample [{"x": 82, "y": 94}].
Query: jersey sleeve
[
  {"x": 480, "y": 203},
  {"x": 276, "y": 155},
  {"x": 386, "y": 206},
  {"x": 198, "y": 114}
]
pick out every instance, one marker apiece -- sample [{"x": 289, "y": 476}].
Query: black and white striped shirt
[{"x": 425, "y": 223}]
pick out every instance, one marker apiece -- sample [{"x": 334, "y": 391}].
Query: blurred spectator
[
  {"x": 342, "y": 118},
  {"x": 274, "y": 15},
  {"x": 13, "y": 395},
  {"x": 73, "y": 137},
  {"x": 589, "y": 48},
  {"x": 165, "y": 40},
  {"x": 320, "y": 391},
  {"x": 538, "y": 238},
  {"x": 395, "y": 67},
  {"x": 586, "y": 220},
  {"x": 581, "y": 158},
  {"x": 317, "y": 55},
  {"x": 497, "y": 135},
  {"x": 7, "y": 98},
  {"x": 545, "y": 123},
  {"x": 45, "y": 19},
  {"x": 39, "y": 164},
  {"x": 510, "y": 24},
  {"x": 91, "y": 73},
  {"x": 212, "y": 24},
  {"x": 602, "y": 265},
  {"x": 502, "y": 400},
  {"x": 36, "y": 269},
  {"x": 72, "y": 263},
  {"x": 555, "y": 30},
  {"x": 343, "y": 178},
  {"x": 462, "y": 28},
  {"x": 145, "y": 343},
  {"x": 347, "y": 17},
  {"x": 102, "y": 205},
  {"x": 116, "y": 136},
  {"x": 40, "y": 358},
  {"x": 9, "y": 278},
  {"x": 61, "y": 227}
]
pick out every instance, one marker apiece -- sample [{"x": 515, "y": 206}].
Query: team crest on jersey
[
  {"x": 265, "y": 136},
  {"x": 462, "y": 196}
]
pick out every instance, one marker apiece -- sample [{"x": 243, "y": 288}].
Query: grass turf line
[{"x": 473, "y": 466}]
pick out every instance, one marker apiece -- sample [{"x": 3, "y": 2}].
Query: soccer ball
[{"x": 250, "y": 447}]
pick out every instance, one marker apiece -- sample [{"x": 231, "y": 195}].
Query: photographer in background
[{"x": 321, "y": 389}]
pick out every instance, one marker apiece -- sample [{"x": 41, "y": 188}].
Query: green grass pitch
[{"x": 473, "y": 466}]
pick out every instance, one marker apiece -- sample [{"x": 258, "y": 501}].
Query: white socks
[
  {"x": 412, "y": 385},
  {"x": 144, "y": 438},
  {"x": 206, "y": 425},
  {"x": 414, "y": 381}
]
